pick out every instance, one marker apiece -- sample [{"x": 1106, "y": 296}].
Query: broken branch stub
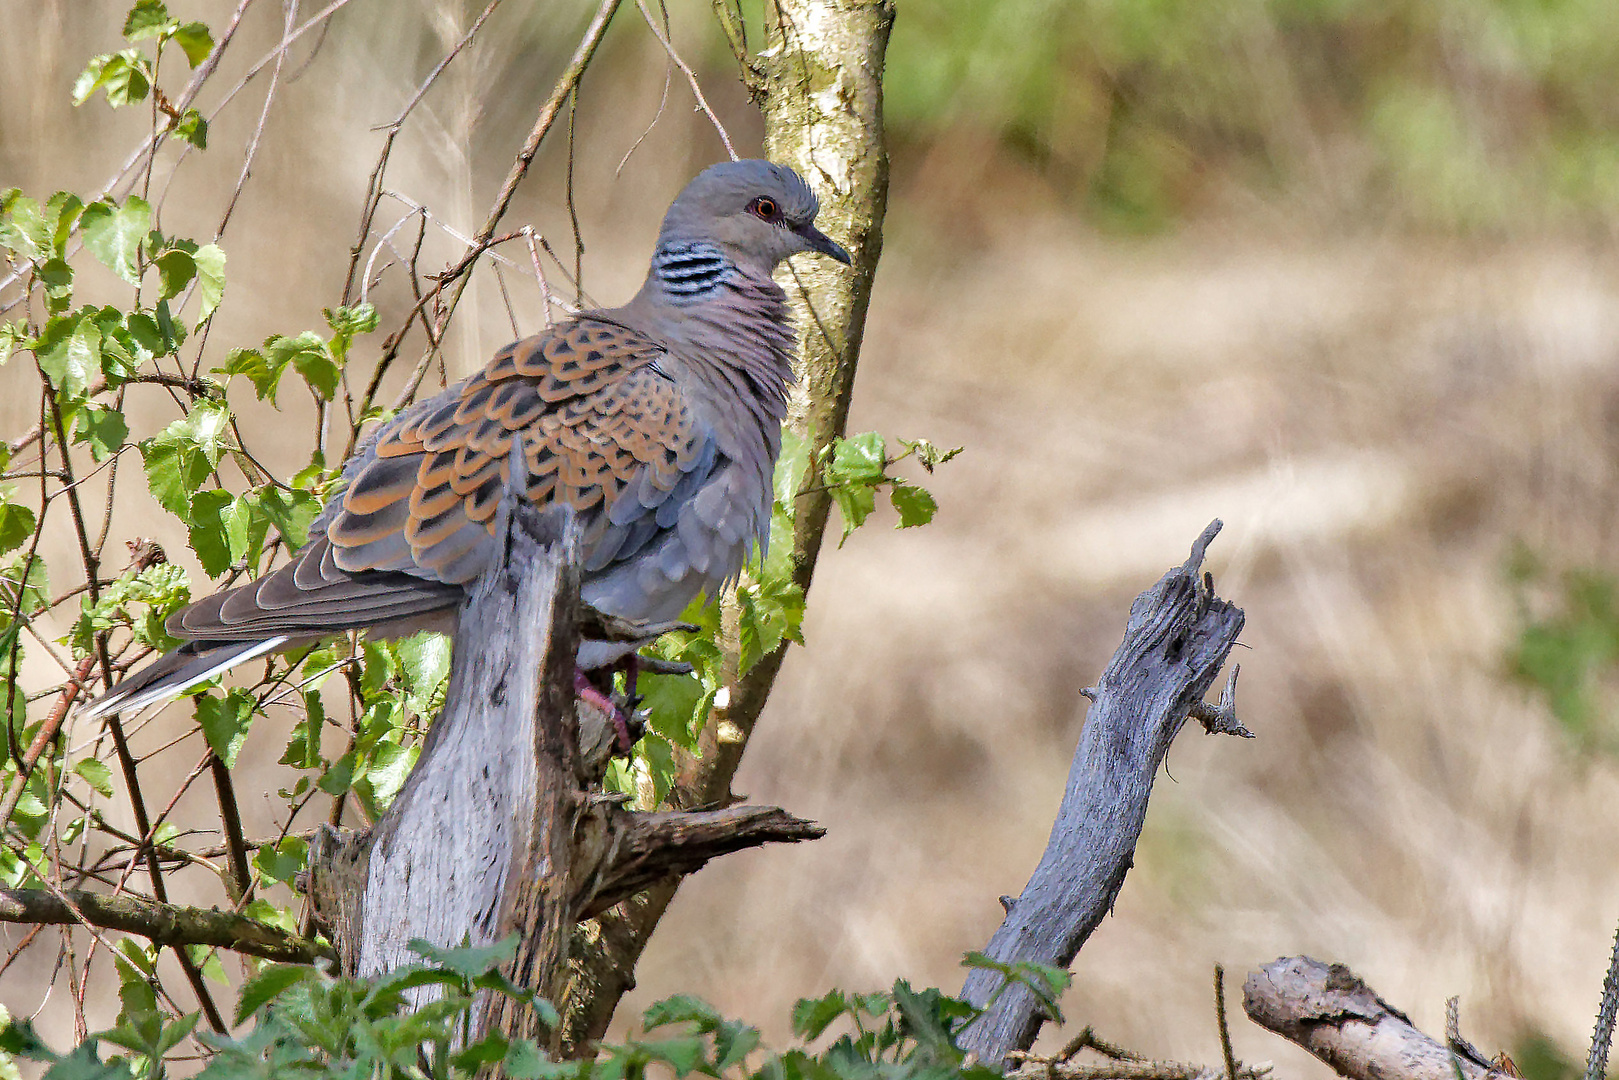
[
  {"x": 1179, "y": 636},
  {"x": 1329, "y": 1011}
]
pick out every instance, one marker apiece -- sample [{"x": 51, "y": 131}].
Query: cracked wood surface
[{"x": 1179, "y": 636}]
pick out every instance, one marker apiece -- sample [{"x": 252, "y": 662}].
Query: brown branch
[
  {"x": 164, "y": 924},
  {"x": 373, "y": 187},
  {"x": 653, "y": 846},
  {"x": 560, "y": 95},
  {"x": 1330, "y": 1012}
]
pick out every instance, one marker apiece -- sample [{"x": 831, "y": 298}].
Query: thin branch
[
  {"x": 290, "y": 17},
  {"x": 163, "y": 924},
  {"x": 374, "y": 189},
  {"x": 691, "y": 78}
]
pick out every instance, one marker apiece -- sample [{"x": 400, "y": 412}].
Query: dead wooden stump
[{"x": 500, "y": 828}]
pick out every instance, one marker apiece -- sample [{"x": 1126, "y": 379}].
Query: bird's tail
[{"x": 172, "y": 674}]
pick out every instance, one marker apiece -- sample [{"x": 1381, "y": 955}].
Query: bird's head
[{"x": 757, "y": 212}]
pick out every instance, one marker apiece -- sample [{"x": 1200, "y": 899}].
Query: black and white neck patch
[{"x": 691, "y": 270}]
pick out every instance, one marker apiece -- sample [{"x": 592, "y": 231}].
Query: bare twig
[
  {"x": 164, "y": 924},
  {"x": 374, "y": 186},
  {"x": 691, "y": 78}
]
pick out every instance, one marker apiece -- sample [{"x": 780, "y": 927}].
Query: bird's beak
[{"x": 819, "y": 241}]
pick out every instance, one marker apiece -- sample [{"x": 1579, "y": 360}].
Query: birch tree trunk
[{"x": 819, "y": 85}]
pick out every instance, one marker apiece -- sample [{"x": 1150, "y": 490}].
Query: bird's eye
[{"x": 765, "y": 209}]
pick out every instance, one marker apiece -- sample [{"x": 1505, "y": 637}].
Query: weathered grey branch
[
  {"x": 164, "y": 924},
  {"x": 1178, "y": 637},
  {"x": 819, "y": 85},
  {"x": 498, "y": 830},
  {"x": 1039, "y": 1069},
  {"x": 1329, "y": 1011}
]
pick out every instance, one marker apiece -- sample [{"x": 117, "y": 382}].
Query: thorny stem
[{"x": 1596, "y": 1063}]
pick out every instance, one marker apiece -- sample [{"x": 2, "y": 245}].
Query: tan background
[{"x": 1379, "y": 404}]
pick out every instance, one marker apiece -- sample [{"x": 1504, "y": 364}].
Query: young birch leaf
[
  {"x": 790, "y": 466},
  {"x": 26, "y": 234},
  {"x": 291, "y": 512},
  {"x": 225, "y": 722},
  {"x": 16, "y": 526},
  {"x": 69, "y": 353},
  {"x": 195, "y": 41},
  {"x": 103, "y": 429},
  {"x": 259, "y": 371},
  {"x": 210, "y": 263},
  {"x": 193, "y": 128},
  {"x": 209, "y": 532},
  {"x": 916, "y": 505},
  {"x": 310, "y": 356},
  {"x": 98, "y": 774},
  {"x": 148, "y": 18},
  {"x": 57, "y": 277},
  {"x": 268, "y": 985},
  {"x": 175, "y": 269},
  {"x": 114, "y": 234}
]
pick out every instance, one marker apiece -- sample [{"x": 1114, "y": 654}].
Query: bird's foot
[{"x": 623, "y": 722}]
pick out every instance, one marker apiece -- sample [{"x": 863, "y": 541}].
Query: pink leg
[{"x": 583, "y": 687}]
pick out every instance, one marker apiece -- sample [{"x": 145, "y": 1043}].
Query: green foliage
[
  {"x": 1570, "y": 655},
  {"x": 308, "y": 1024},
  {"x": 1465, "y": 115}
]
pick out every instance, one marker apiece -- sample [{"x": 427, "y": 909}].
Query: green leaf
[
  {"x": 57, "y": 277},
  {"x": 103, "y": 429},
  {"x": 916, "y": 505},
  {"x": 681, "y": 1009},
  {"x": 26, "y": 234},
  {"x": 468, "y": 961},
  {"x": 857, "y": 458},
  {"x": 812, "y": 1016},
  {"x": 225, "y": 722},
  {"x": 193, "y": 128},
  {"x": 85, "y": 1063},
  {"x": 291, "y": 512},
  {"x": 210, "y": 262},
  {"x": 790, "y": 466},
  {"x": 126, "y": 76},
  {"x": 260, "y": 373},
  {"x": 196, "y": 41},
  {"x": 69, "y": 353},
  {"x": 281, "y": 862},
  {"x": 179, "y": 458},
  {"x": 148, "y": 18},
  {"x": 389, "y": 766},
  {"x": 95, "y": 773},
  {"x": 141, "y": 601},
  {"x": 18, "y": 1039},
  {"x": 268, "y": 985},
  {"x": 114, "y": 234},
  {"x": 424, "y": 665},
  {"x": 855, "y": 504},
  {"x": 16, "y": 526},
  {"x": 309, "y": 355},
  {"x": 347, "y": 324},
  {"x": 209, "y": 530},
  {"x": 175, "y": 269},
  {"x": 63, "y": 209}
]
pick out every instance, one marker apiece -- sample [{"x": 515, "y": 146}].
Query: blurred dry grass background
[{"x": 1339, "y": 273}]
